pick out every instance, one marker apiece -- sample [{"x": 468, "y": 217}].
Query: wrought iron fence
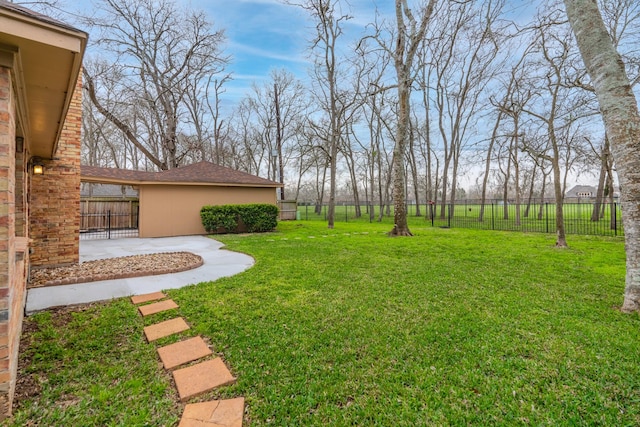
[
  {"x": 580, "y": 217},
  {"x": 108, "y": 225}
]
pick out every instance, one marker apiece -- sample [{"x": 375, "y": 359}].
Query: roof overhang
[
  {"x": 138, "y": 183},
  {"x": 200, "y": 174},
  {"x": 46, "y": 58}
]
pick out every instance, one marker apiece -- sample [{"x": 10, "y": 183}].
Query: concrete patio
[{"x": 217, "y": 263}]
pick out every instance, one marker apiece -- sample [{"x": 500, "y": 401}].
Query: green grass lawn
[{"x": 350, "y": 327}]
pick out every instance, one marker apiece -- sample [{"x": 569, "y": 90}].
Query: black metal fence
[
  {"x": 108, "y": 225},
  {"x": 580, "y": 217}
]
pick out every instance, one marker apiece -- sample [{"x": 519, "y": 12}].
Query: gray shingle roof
[{"x": 35, "y": 15}]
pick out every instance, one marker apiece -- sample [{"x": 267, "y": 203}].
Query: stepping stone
[
  {"x": 200, "y": 378},
  {"x": 215, "y": 413},
  {"x": 139, "y": 299},
  {"x": 182, "y": 352},
  {"x": 157, "y": 307},
  {"x": 166, "y": 328}
]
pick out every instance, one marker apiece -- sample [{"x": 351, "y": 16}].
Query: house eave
[
  {"x": 118, "y": 181},
  {"x": 45, "y": 58}
]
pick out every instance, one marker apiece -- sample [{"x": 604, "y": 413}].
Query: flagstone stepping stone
[
  {"x": 166, "y": 328},
  {"x": 215, "y": 413},
  {"x": 183, "y": 351},
  {"x": 200, "y": 378},
  {"x": 157, "y": 307},
  {"x": 139, "y": 299}
]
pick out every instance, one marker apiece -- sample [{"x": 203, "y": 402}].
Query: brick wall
[
  {"x": 45, "y": 208},
  {"x": 11, "y": 283},
  {"x": 54, "y": 216}
]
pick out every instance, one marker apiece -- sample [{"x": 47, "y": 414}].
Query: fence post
[
  {"x": 109, "y": 224},
  {"x": 449, "y": 216},
  {"x": 615, "y": 219}
]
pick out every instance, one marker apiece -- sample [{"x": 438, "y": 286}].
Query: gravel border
[{"x": 115, "y": 268}]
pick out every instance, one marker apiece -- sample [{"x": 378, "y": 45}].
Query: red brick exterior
[
  {"x": 12, "y": 246},
  {"x": 54, "y": 215},
  {"x": 45, "y": 208}
]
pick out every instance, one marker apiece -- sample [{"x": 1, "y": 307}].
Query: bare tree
[
  {"x": 329, "y": 20},
  {"x": 405, "y": 40},
  {"x": 278, "y": 110},
  {"x": 555, "y": 107},
  {"x": 163, "y": 56},
  {"x": 619, "y": 109}
]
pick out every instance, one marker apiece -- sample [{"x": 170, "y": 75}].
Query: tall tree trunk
[
  {"x": 403, "y": 72},
  {"x": 561, "y": 237},
  {"x": 408, "y": 39},
  {"x": 622, "y": 121},
  {"x": 400, "y": 228}
]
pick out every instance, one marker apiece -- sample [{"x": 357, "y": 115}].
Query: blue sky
[
  {"x": 264, "y": 35},
  {"x": 261, "y": 35}
]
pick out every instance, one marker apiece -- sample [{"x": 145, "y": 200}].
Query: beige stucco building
[
  {"x": 170, "y": 201},
  {"x": 40, "y": 125}
]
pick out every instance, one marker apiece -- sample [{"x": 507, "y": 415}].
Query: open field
[{"x": 350, "y": 327}]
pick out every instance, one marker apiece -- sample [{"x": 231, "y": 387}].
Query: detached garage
[{"x": 170, "y": 201}]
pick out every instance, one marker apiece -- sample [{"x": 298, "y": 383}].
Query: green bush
[
  {"x": 237, "y": 218},
  {"x": 259, "y": 218}
]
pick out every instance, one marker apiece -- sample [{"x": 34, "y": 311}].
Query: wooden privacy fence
[
  {"x": 114, "y": 214},
  {"x": 288, "y": 209}
]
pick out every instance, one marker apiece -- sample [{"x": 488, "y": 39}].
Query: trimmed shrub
[
  {"x": 259, "y": 218},
  {"x": 237, "y": 218}
]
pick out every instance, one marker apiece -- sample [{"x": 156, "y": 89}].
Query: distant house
[
  {"x": 170, "y": 201},
  {"x": 581, "y": 192},
  {"x": 92, "y": 190}
]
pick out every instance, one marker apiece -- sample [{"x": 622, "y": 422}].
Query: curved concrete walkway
[{"x": 217, "y": 263}]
